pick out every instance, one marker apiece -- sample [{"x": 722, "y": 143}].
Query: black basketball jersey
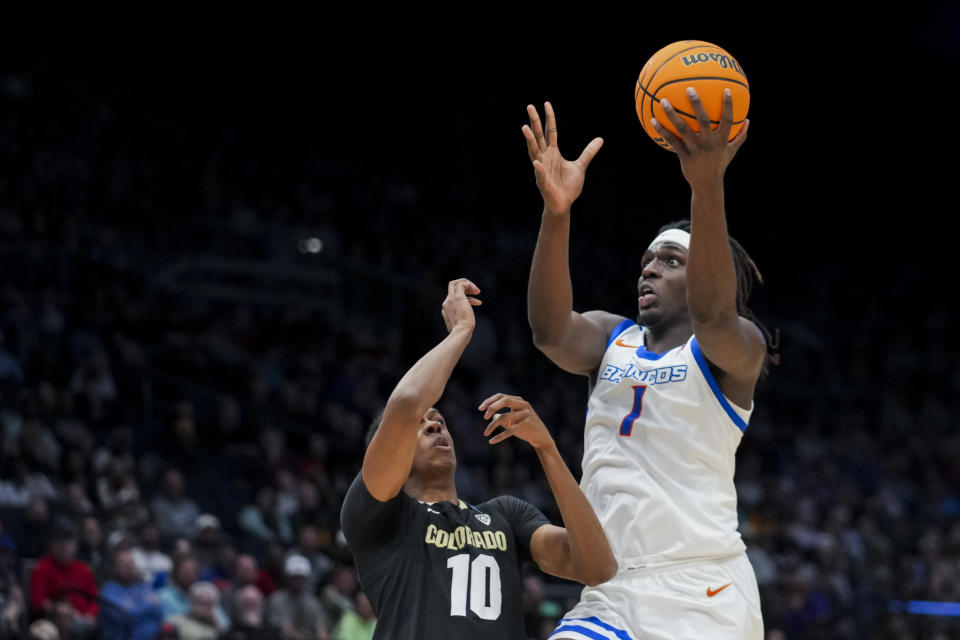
[{"x": 441, "y": 570}]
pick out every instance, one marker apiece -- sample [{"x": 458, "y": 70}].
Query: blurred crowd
[{"x": 172, "y": 461}]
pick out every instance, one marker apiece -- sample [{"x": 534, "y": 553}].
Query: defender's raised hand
[
  {"x": 457, "y": 308},
  {"x": 560, "y": 181},
  {"x": 517, "y": 418},
  {"x": 704, "y": 155}
]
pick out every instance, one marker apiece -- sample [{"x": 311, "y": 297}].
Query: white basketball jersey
[{"x": 659, "y": 446}]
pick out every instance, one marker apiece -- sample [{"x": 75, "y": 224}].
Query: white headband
[{"x": 676, "y": 236}]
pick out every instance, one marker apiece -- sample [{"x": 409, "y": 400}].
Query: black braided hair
[{"x": 748, "y": 276}]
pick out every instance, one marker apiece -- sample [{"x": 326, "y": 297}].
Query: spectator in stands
[
  {"x": 175, "y": 598},
  {"x": 248, "y": 622},
  {"x": 91, "y": 546},
  {"x": 131, "y": 608},
  {"x": 9, "y": 556},
  {"x": 60, "y": 578},
  {"x": 259, "y": 520},
  {"x": 175, "y": 513},
  {"x": 153, "y": 564},
  {"x": 207, "y": 542},
  {"x": 308, "y": 546},
  {"x": 338, "y": 596},
  {"x": 200, "y": 620},
  {"x": 168, "y": 632},
  {"x": 244, "y": 575},
  {"x": 119, "y": 494},
  {"x": 311, "y": 511},
  {"x": 39, "y": 445},
  {"x": 270, "y": 577},
  {"x": 220, "y": 573},
  {"x": 18, "y": 485},
  {"x": 288, "y": 502},
  {"x": 357, "y": 623},
  {"x": 32, "y": 541},
  {"x": 293, "y": 609},
  {"x": 43, "y": 630},
  {"x": 13, "y": 610},
  {"x": 76, "y": 502},
  {"x": 94, "y": 388}
]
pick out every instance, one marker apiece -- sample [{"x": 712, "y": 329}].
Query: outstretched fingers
[
  {"x": 551, "y": 132},
  {"x": 536, "y": 127},
  {"x": 533, "y": 149},
  {"x": 589, "y": 152}
]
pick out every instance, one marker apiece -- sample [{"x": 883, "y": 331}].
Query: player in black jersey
[{"x": 432, "y": 565}]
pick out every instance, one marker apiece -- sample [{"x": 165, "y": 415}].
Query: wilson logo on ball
[{"x": 724, "y": 61}]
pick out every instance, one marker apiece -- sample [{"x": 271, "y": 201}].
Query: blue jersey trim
[
  {"x": 708, "y": 375},
  {"x": 617, "y": 330},
  {"x": 590, "y": 633},
  {"x": 650, "y": 355},
  {"x": 619, "y": 633}
]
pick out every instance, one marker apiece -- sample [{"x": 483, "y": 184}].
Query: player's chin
[
  {"x": 648, "y": 316},
  {"x": 444, "y": 457}
]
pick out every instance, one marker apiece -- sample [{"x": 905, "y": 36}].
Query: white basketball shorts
[{"x": 716, "y": 599}]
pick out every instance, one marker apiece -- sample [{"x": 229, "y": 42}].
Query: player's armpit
[{"x": 582, "y": 345}]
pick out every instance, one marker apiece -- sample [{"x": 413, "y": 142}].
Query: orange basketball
[{"x": 690, "y": 63}]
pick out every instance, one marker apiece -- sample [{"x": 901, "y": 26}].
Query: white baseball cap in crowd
[
  {"x": 296, "y": 565},
  {"x": 206, "y": 521}
]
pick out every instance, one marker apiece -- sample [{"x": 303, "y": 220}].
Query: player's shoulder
[
  {"x": 605, "y": 320},
  {"x": 510, "y": 507},
  {"x": 505, "y": 505},
  {"x": 360, "y": 510}
]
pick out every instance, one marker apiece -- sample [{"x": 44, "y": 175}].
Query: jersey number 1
[
  {"x": 626, "y": 426},
  {"x": 482, "y": 573}
]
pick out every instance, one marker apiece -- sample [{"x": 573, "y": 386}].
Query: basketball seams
[
  {"x": 700, "y": 45},
  {"x": 676, "y": 80},
  {"x": 696, "y": 48},
  {"x": 653, "y": 98}
]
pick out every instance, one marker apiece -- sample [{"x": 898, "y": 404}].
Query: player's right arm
[
  {"x": 389, "y": 458},
  {"x": 575, "y": 342},
  {"x": 579, "y": 550}
]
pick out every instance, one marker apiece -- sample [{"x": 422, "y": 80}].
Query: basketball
[{"x": 690, "y": 63}]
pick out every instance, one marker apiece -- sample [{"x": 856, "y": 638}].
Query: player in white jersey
[{"x": 671, "y": 395}]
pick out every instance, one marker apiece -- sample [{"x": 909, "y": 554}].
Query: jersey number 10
[{"x": 482, "y": 574}]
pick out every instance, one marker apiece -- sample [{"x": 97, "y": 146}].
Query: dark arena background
[{"x": 225, "y": 234}]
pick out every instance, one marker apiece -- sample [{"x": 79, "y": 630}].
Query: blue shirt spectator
[
  {"x": 131, "y": 609},
  {"x": 175, "y": 598},
  {"x": 134, "y": 612}
]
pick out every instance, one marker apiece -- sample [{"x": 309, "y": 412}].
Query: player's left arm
[
  {"x": 580, "y": 551},
  {"x": 732, "y": 343}
]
